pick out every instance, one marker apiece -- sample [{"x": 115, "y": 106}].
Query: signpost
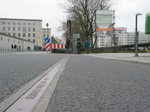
[
  {"x": 47, "y": 24},
  {"x": 47, "y": 39},
  {"x": 136, "y": 35}
]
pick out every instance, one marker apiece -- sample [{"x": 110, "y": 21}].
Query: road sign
[
  {"x": 47, "y": 24},
  {"x": 47, "y": 40}
]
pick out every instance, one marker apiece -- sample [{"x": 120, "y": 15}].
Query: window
[
  {"x": 28, "y": 34},
  {"x": 14, "y": 34},
  {"x": 34, "y": 40},
  {"x": 1, "y": 38},
  {"x": 19, "y": 29},
  {"x": 14, "y": 28},
  {"x": 28, "y": 28},
  {"x": 24, "y": 35},
  {"x": 14, "y": 23},
  {"x": 33, "y": 29},
  {"x": 18, "y": 34},
  {"x": 33, "y": 24},
  {"x": 24, "y": 29},
  {"x": 8, "y": 23},
  {"x": 9, "y": 28},
  {"x": 8, "y": 40},
  {"x": 28, "y": 39},
  {"x": 33, "y": 34},
  {"x": 9, "y": 33},
  {"x": 3, "y": 23},
  {"x": 24, "y": 23},
  {"x": 3, "y": 28},
  {"x": 28, "y": 23}
]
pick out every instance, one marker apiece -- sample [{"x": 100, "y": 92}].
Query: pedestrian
[
  {"x": 12, "y": 46},
  {"x": 67, "y": 45},
  {"x": 15, "y": 47},
  {"x": 87, "y": 45},
  {"x": 19, "y": 48},
  {"x": 78, "y": 44}
]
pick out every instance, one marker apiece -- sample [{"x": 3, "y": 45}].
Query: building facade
[
  {"x": 127, "y": 38},
  {"x": 28, "y": 29},
  {"x": 105, "y": 21},
  {"x": 10, "y": 43},
  {"x": 108, "y": 35}
]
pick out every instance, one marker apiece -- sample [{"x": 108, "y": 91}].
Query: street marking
[{"x": 28, "y": 101}]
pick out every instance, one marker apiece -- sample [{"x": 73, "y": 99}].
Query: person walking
[
  {"x": 15, "y": 47},
  {"x": 87, "y": 45},
  {"x": 78, "y": 44},
  {"x": 12, "y": 47},
  {"x": 67, "y": 45}
]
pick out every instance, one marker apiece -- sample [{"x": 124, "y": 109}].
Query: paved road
[
  {"x": 87, "y": 83},
  {"x": 17, "y": 69},
  {"x": 93, "y": 84}
]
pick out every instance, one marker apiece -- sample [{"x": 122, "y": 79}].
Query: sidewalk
[{"x": 143, "y": 58}]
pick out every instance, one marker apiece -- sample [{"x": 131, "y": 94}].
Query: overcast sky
[
  {"x": 126, "y": 11},
  {"x": 51, "y": 12}
]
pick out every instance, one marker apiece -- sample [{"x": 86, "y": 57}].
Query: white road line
[{"x": 28, "y": 101}]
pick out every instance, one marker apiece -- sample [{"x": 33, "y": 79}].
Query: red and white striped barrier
[{"x": 49, "y": 46}]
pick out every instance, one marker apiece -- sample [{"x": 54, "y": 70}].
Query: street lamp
[{"x": 136, "y": 35}]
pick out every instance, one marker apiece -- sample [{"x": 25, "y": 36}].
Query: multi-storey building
[
  {"x": 119, "y": 30},
  {"x": 105, "y": 21},
  {"x": 122, "y": 37},
  {"x": 28, "y": 29},
  {"x": 126, "y": 38}
]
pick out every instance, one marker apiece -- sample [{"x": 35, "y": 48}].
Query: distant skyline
[{"x": 51, "y": 12}]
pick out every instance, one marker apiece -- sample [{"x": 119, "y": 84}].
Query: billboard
[{"x": 147, "y": 24}]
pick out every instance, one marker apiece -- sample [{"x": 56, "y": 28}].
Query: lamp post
[
  {"x": 136, "y": 35},
  {"x": 47, "y": 24}
]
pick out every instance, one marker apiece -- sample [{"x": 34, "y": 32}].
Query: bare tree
[{"x": 82, "y": 15}]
